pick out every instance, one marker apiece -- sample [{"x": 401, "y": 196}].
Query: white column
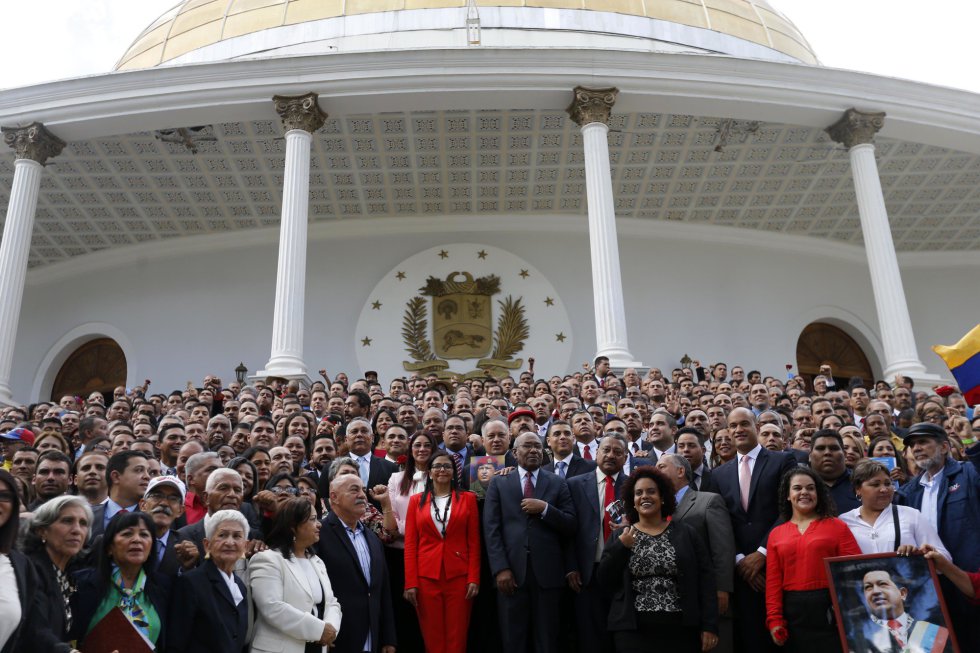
[
  {"x": 856, "y": 131},
  {"x": 33, "y": 144},
  {"x": 301, "y": 116},
  {"x": 590, "y": 109}
]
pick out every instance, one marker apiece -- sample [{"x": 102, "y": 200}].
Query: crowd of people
[{"x": 590, "y": 512}]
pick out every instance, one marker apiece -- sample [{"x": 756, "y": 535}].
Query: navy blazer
[
  {"x": 365, "y": 605},
  {"x": 203, "y": 616},
  {"x": 752, "y": 527},
  {"x": 91, "y": 591},
  {"x": 958, "y": 508},
  {"x": 515, "y": 539},
  {"x": 585, "y": 499},
  {"x": 695, "y": 581},
  {"x": 576, "y": 467}
]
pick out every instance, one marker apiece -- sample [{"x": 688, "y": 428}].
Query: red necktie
[
  {"x": 609, "y": 498},
  {"x": 586, "y": 452},
  {"x": 528, "y": 486},
  {"x": 896, "y": 628}
]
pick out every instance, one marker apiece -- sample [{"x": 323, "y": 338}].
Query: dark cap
[{"x": 927, "y": 430}]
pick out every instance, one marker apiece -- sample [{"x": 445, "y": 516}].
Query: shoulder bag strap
[{"x": 898, "y": 527}]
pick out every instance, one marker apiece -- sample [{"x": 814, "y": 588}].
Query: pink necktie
[{"x": 744, "y": 481}]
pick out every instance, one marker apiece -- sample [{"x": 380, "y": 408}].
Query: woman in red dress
[
  {"x": 798, "y": 603},
  {"x": 442, "y": 557}
]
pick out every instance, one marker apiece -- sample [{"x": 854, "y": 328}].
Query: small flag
[{"x": 963, "y": 360}]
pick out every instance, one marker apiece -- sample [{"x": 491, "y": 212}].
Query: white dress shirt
[
  {"x": 236, "y": 594},
  {"x": 930, "y": 496},
  {"x": 879, "y": 537}
]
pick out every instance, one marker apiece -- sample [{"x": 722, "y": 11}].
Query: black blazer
[
  {"x": 708, "y": 482},
  {"x": 695, "y": 581},
  {"x": 365, "y": 605},
  {"x": 585, "y": 499},
  {"x": 91, "y": 591},
  {"x": 379, "y": 472},
  {"x": 49, "y": 606},
  {"x": 203, "y": 617},
  {"x": 30, "y": 635},
  {"x": 195, "y": 533},
  {"x": 576, "y": 467},
  {"x": 752, "y": 527},
  {"x": 514, "y": 539}
]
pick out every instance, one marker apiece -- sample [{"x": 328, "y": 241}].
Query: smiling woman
[{"x": 797, "y": 594}]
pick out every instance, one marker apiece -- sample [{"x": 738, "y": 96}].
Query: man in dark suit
[
  {"x": 355, "y": 562},
  {"x": 749, "y": 485},
  {"x": 566, "y": 463},
  {"x": 617, "y": 427},
  {"x": 374, "y": 471},
  {"x": 527, "y": 517},
  {"x": 690, "y": 444},
  {"x": 706, "y": 513},
  {"x": 591, "y": 493},
  {"x": 127, "y": 475},
  {"x": 204, "y": 616}
]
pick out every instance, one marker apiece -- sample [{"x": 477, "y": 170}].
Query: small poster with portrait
[
  {"x": 885, "y": 602},
  {"x": 482, "y": 469}
]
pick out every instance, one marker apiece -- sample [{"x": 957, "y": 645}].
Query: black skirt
[
  {"x": 660, "y": 631},
  {"x": 810, "y": 622}
]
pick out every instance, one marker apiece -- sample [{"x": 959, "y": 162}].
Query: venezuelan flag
[{"x": 963, "y": 360}]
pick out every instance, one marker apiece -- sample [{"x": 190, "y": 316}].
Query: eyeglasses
[
  {"x": 306, "y": 491},
  {"x": 102, "y": 449},
  {"x": 443, "y": 466},
  {"x": 160, "y": 496},
  {"x": 285, "y": 490}
]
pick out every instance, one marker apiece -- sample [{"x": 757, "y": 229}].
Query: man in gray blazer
[{"x": 707, "y": 513}]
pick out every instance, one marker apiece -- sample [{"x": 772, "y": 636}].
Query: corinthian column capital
[
  {"x": 592, "y": 105},
  {"x": 300, "y": 112},
  {"x": 856, "y": 127},
  {"x": 33, "y": 142}
]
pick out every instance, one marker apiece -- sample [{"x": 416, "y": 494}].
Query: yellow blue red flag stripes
[{"x": 963, "y": 360}]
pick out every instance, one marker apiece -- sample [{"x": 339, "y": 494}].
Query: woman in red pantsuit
[{"x": 442, "y": 557}]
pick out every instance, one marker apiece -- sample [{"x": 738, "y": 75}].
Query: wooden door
[
  {"x": 97, "y": 366},
  {"x": 825, "y": 344}
]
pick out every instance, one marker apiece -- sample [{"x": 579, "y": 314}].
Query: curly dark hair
[
  {"x": 664, "y": 488},
  {"x": 825, "y": 503}
]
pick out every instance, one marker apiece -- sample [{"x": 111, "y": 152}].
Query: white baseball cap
[{"x": 169, "y": 480}]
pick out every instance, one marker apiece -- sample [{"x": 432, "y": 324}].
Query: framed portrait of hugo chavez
[{"x": 886, "y": 603}]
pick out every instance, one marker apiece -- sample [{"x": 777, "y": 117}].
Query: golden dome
[{"x": 196, "y": 24}]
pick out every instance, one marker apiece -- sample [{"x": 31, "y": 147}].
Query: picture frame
[
  {"x": 886, "y": 603},
  {"x": 481, "y": 474}
]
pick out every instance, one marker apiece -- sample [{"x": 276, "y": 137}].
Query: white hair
[
  {"x": 211, "y": 522},
  {"x": 220, "y": 474}
]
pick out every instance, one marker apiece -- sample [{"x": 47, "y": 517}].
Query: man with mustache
[
  {"x": 889, "y": 627},
  {"x": 164, "y": 502}
]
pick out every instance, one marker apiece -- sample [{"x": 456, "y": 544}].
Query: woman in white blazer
[{"x": 296, "y": 611}]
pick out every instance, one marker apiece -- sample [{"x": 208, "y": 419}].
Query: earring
[{"x": 43, "y": 541}]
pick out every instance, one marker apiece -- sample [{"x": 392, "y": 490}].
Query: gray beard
[{"x": 934, "y": 464}]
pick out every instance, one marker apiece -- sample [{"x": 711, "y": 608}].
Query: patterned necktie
[
  {"x": 561, "y": 468},
  {"x": 528, "y": 486},
  {"x": 458, "y": 465},
  {"x": 587, "y": 452},
  {"x": 744, "y": 481},
  {"x": 609, "y": 498},
  {"x": 895, "y": 626}
]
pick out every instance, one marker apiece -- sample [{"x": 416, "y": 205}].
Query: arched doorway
[
  {"x": 825, "y": 344},
  {"x": 96, "y": 366}
]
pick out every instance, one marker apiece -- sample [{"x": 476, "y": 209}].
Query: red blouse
[{"x": 794, "y": 560}]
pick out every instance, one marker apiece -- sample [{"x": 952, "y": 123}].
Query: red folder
[{"x": 115, "y": 633}]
